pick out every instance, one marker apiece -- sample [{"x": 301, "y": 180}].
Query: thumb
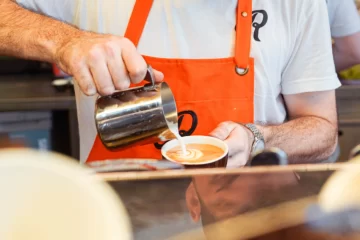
[
  {"x": 223, "y": 130},
  {"x": 159, "y": 76}
]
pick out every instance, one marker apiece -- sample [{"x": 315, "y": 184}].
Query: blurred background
[{"x": 37, "y": 107}]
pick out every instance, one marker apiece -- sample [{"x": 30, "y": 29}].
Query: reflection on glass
[{"x": 222, "y": 203}]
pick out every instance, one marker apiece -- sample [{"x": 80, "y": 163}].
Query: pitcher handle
[{"x": 149, "y": 77}]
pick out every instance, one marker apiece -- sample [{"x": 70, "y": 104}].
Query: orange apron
[{"x": 207, "y": 91}]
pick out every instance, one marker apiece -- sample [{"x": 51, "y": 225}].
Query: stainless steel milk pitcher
[{"x": 137, "y": 115}]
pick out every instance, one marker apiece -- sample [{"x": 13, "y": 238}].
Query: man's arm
[
  {"x": 345, "y": 31},
  {"x": 311, "y": 134},
  {"x": 308, "y": 86},
  {"x": 346, "y": 51},
  {"x": 29, "y": 35},
  {"x": 99, "y": 63},
  {"x": 308, "y": 83}
]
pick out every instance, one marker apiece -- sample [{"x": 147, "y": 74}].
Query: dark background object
[
  {"x": 269, "y": 157},
  {"x": 9, "y": 65}
]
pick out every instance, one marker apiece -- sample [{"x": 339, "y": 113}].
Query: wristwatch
[{"x": 259, "y": 142}]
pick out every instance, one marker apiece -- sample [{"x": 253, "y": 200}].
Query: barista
[{"x": 228, "y": 62}]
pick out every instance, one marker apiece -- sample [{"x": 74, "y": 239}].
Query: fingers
[
  {"x": 100, "y": 72},
  {"x": 223, "y": 130},
  {"x": 116, "y": 66},
  {"x": 104, "y": 64},
  {"x": 234, "y": 135},
  {"x": 129, "y": 66},
  {"x": 134, "y": 62},
  {"x": 159, "y": 76},
  {"x": 84, "y": 79}
]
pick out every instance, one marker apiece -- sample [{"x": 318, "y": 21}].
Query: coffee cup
[{"x": 202, "y": 152}]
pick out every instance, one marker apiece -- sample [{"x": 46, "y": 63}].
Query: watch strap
[
  {"x": 257, "y": 134},
  {"x": 255, "y": 131}
]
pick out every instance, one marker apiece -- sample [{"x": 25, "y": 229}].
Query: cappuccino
[{"x": 195, "y": 153}]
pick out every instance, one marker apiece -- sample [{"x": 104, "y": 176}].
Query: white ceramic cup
[{"x": 214, "y": 163}]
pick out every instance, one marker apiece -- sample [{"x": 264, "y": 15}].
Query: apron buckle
[{"x": 241, "y": 71}]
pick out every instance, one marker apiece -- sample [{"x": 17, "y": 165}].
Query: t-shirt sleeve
[
  {"x": 311, "y": 67},
  {"x": 344, "y": 17},
  {"x": 63, "y": 10}
]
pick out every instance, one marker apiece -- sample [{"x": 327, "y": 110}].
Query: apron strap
[
  {"x": 142, "y": 9},
  {"x": 137, "y": 20},
  {"x": 243, "y": 36}
]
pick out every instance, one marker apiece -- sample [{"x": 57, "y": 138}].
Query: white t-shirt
[
  {"x": 344, "y": 17},
  {"x": 292, "y": 49}
]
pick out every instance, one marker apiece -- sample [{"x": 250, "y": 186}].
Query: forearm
[
  {"x": 305, "y": 140},
  {"x": 25, "y": 34},
  {"x": 346, "y": 51},
  {"x": 343, "y": 61}
]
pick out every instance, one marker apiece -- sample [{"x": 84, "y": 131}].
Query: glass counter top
[{"x": 248, "y": 203}]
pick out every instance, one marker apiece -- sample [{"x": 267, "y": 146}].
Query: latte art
[
  {"x": 195, "y": 153},
  {"x": 191, "y": 154}
]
